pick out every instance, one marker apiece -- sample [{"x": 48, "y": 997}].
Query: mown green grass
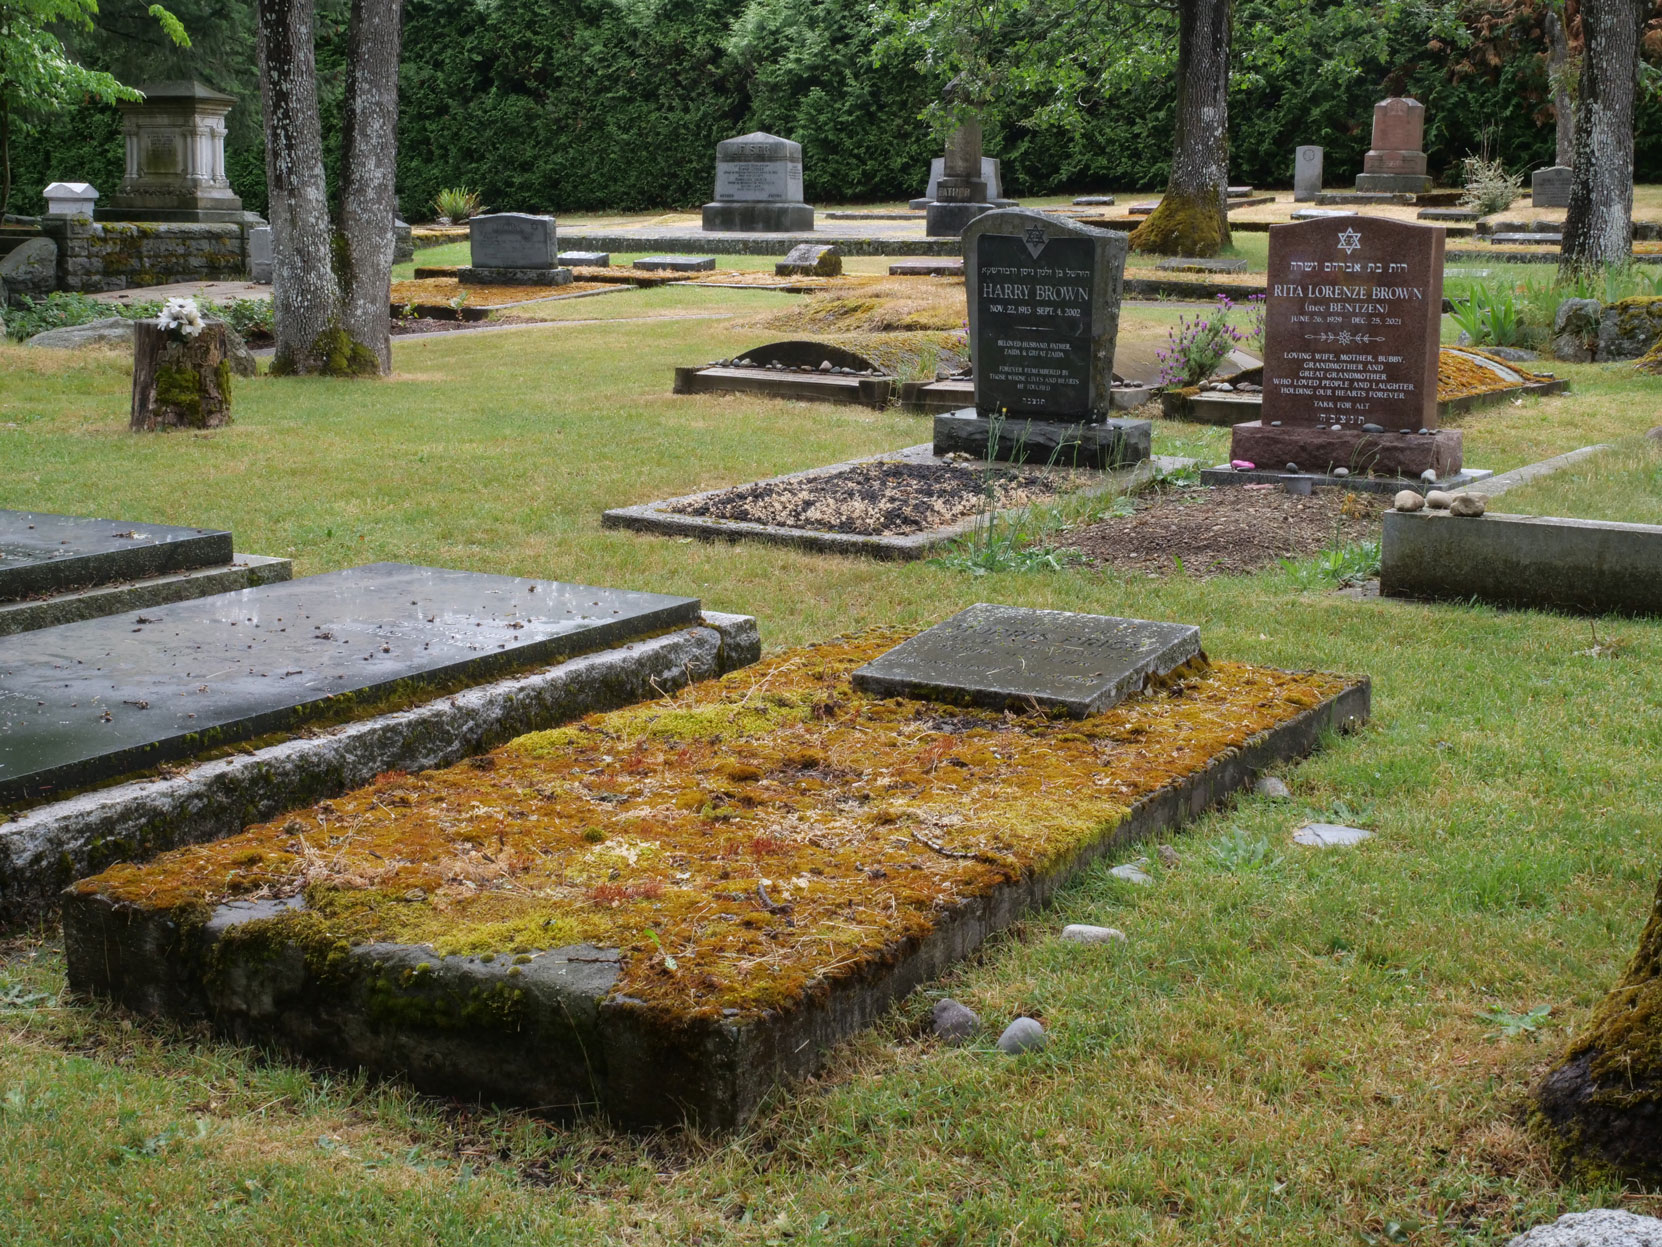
[
  {"x": 1294, "y": 1047},
  {"x": 1623, "y": 484}
]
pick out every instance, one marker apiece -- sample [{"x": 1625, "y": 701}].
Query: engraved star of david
[
  {"x": 1034, "y": 237},
  {"x": 1349, "y": 240}
]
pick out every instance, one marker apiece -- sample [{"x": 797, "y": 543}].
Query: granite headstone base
[
  {"x": 474, "y": 276},
  {"x": 947, "y": 220},
  {"x": 1015, "y": 657},
  {"x": 1393, "y": 183},
  {"x": 758, "y": 218},
  {"x": 1113, "y": 443},
  {"x": 1321, "y": 450}
]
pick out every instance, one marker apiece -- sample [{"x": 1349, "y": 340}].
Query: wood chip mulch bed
[
  {"x": 878, "y": 499},
  {"x": 1227, "y": 531}
]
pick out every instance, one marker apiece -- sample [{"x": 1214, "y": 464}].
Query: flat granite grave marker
[
  {"x": 758, "y": 187},
  {"x": 513, "y": 249},
  {"x": 90, "y": 701},
  {"x": 41, "y": 553},
  {"x": 1014, "y": 657},
  {"x": 678, "y": 263},
  {"x": 1352, "y": 319},
  {"x": 810, "y": 260},
  {"x": 586, "y": 259}
]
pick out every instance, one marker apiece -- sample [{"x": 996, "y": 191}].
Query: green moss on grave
[
  {"x": 1186, "y": 225},
  {"x": 180, "y": 389}
]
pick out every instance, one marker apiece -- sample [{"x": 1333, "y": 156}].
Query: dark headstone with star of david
[
  {"x": 1044, "y": 310},
  {"x": 1352, "y": 324},
  {"x": 1014, "y": 657}
]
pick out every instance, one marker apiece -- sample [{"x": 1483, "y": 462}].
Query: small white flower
[{"x": 183, "y": 315}]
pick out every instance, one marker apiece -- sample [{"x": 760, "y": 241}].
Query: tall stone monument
[
  {"x": 175, "y": 141},
  {"x": 1396, "y": 162},
  {"x": 1350, "y": 351},
  {"x": 962, "y": 193},
  {"x": 1307, "y": 174},
  {"x": 1044, "y": 310},
  {"x": 992, "y": 173},
  {"x": 1550, "y": 187},
  {"x": 758, "y": 187}
]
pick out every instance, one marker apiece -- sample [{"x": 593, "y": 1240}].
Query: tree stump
[
  {"x": 1603, "y": 1102},
  {"x": 180, "y": 382}
]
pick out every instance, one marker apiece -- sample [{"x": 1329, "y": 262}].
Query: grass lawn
[{"x": 1294, "y": 1047}]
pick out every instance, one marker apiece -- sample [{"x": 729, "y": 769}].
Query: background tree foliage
[{"x": 568, "y": 105}]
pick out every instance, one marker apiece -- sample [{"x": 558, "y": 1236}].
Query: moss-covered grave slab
[{"x": 662, "y": 912}]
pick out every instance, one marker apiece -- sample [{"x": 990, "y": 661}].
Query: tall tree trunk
[
  {"x": 1602, "y": 1105},
  {"x": 1558, "y": 71},
  {"x": 1598, "y": 228},
  {"x": 5, "y": 159},
  {"x": 369, "y": 152},
  {"x": 1192, "y": 218},
  {"x": 305, "y": 296}
]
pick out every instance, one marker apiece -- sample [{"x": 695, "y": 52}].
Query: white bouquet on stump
[
  {"x": 181, "y": 374},
  {"x": 181, "y": 316}
]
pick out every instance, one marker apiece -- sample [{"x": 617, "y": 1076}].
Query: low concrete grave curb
[
  {"x": 1579, "y": 566},
  {"x": 245, "y": 571},
  {"x": 658, "y": 519},
  {"x": 47, "y": 847},
  {"x": 640, "y": 1067}
]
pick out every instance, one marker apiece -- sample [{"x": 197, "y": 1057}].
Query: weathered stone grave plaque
[
  {"x": 1016, "y": 657},
  {"x": 42, "y": 553},
  {"x": 1351, "y": 323},
  {"x": 1307, "y": 174},
  {"x": 1044, "y": 311},
  {"x": 90, "y": 701},
  {"x": 1550, "y": 187},
  {"x": 512, "y": 240}
]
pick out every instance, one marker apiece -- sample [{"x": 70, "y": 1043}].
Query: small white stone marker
[
  {"x": 1083, "y": 933},
  {"x": 1132, "y": 872},
  {"x": 1598, "y": 1227},
  {"x": 1022, "y": 1035},
  {"x": 1271, "y": 787},
  {"x": 1329, "y": 835}
]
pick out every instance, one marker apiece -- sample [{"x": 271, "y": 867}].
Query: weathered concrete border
[
  {"x": 1223, "y": 474},
  {"x": 45, "y": 848},
  {"x": 1579, "y": 566},
  {"x": 245, "y": 571},
  {"x": 656, "y": 518},
  {"x": 548, "y": 1033},
  {"x": 1503, "y": 481}
]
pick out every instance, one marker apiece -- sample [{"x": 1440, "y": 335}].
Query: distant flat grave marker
[
  {"x": 94, "y": 700},
  {"x": 41, "y": 553},
  {"x": 1018, "y": 658}
]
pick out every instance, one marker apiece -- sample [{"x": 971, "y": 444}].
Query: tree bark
[
  {"x": 178, "y": 382},
  {"x": 1192, "y": 218},
  {"x": 305, "y": 295},
  {"x": 369, "y": 150},
  {"x": 1602, "y": 1105},
  {"x": 1563, "y": 103},
  {"x": 1598, "y": 228}
]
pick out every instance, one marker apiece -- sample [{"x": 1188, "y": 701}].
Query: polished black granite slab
[
  {"x": 90, "y": 701},
  {"x": 1018, "y": 658},
  {"x": 42, "y": 554}
]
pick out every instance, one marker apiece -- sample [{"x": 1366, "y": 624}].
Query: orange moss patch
[
  {"x": 1458, "y": 377},
  {"x": 447, "y": 289},
  {"x": 753, "y": 838}
]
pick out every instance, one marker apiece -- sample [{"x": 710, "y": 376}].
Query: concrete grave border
[
  {"x": 45, "y": 848},
  {"x": 655, "y": 518},
  {"x": 575, "y": 1047}
]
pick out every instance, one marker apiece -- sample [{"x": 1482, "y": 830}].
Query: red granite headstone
[
  {"x": 1398, "y": 125},
  {"x": 1352, "y": 323}
]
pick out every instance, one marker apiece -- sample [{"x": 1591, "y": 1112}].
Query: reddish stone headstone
[
  {"x": 1396, "y": 162},
  {"x": 1351, "y": 323}
]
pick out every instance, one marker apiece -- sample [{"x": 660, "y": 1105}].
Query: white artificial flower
[{"x": 183, "y": 315}]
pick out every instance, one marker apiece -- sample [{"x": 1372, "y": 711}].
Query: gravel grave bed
[
  {"x": 1228, "y": 531},
  {"x": 878, "y": 499}
]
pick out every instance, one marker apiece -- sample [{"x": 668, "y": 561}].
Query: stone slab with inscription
[
  {"x": 90, "y": 701},
  {"x": 512, "y": 240},
  {"x": 1019, "y": 658},
  {"x": 1307, "y": 174},
  {"x": 758, "y": 186},
  {"x": 1550, "y": 187},
  {"x": 1352, "y": 319},
  {"x": 1044, "y": 310}
]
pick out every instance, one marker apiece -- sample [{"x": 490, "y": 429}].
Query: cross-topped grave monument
[
  {"x": 758, "y": 187},
  {"x": 1350, "y": 351},
  {"x": 1044, "y": 309},
  {"x": 1013, "y": 657}
]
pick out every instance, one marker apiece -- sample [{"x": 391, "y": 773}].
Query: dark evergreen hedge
[{"x": 582, "y": 105}]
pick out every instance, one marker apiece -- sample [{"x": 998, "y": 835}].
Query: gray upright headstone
[
  {"x": 758, "y": 186},
  {"x": 1550, "y": 187},
  {"x": 1307, "y": 174},
  {"x": 991, "y": 173},
  {"x": 259, "y": 254},
  {"x": 961, "y": 193},
  {"x": 512, "y": 240}
]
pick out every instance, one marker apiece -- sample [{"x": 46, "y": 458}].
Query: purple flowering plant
[{"x": 1196, "y": 346}]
